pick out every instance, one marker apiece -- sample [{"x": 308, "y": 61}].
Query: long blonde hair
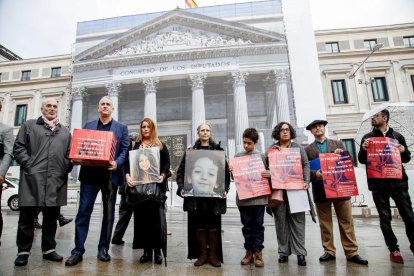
[{"x": 153, "y": 132}]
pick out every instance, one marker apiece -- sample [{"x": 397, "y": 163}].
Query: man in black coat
[
  {"x": 383, "y": 189},
  {"x": 42, "y": 150}
]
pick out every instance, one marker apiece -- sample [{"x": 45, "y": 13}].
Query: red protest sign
[
  {"x": 285, "y": 166},
  {"x": 247, "y": 176},
  {"x": 383, "y": 158},
  {"x": 338, "y": 175}
]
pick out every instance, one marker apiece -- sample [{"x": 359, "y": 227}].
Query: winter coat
[
  {"x": 6, "y": 148},
  {"x": 43, "y": 155},
  {"x": 379, "y": 183},
  {"x": 312, "y": 151}
]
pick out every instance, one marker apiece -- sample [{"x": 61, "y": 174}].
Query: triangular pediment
[{"x": 179, "y": 31}]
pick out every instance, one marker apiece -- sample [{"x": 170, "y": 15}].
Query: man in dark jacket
[
  {"x": 42, "y": 150},
  {"x": 384, "y": 189},
  {"x": 105, "y": 180},
  {"x": 6, "y": 155},
  {"x": 343, "y": 208}
]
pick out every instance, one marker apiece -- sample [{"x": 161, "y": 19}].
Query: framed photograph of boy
[
  {"x": 145, "y": 165},
  {"x": 204, "y": 173}
]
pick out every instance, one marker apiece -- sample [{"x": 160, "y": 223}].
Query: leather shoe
[
  {"x": 326, "y": 257},
  {"x": 21, "y": 260},
  {"x": 103, "y": 255},
  {"x": 53, "y": 256},
  {"x": 74, "y": 259},
  {"x": 118, "y": 242},
  {"x": 63, "y": 221},
  {"x": 283, "y": 259},
  {"x": 157, "y": 256},
  {"x": 146, "y": 257},
  {"x": 358, "y": 260},
  {"x": 301, "y": 260}
]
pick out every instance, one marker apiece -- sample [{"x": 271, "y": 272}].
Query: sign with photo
[
  {"x": 145, "y": 165},
  {"x": 204, "y": 173},
  {"x": 338, "y": 175},
  {"x": 383, "y": 158},
  {"x": 285, "y": 166},
  {"x": 247, "y": 176}
]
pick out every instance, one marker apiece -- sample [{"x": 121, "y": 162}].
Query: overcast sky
[{"x": 36, "y": 28}]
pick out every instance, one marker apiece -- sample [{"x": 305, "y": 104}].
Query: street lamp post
[{"x": 367, "y": 81}]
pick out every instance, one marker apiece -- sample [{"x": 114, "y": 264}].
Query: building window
[
  {"x": 56, "y": 71},
  {"x": 21, "y": 111},
  {"x": 349, "y": 145},
  {"x": 412, "y": 81},
  {"x": 370, "y": 43},
  {"x": 379, "y": 89},
  {"x": 408, "y": 41},
  {"x": 0, "y": 77},
  {"x": 332, "y": 47},
  {"x": 25, "y": 75},
  {"x": 339, "y": 92}
]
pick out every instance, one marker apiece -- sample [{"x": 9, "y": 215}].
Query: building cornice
[
  {"x": 64, "y": 79},
  {"x": 381, "y": 29},
  {"x": 363, "y": 53},
  {"x": 163, "y": 57}
]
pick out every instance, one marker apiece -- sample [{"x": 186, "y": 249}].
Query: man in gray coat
[
  {"x": 42, "y": 150},
  {"x": 6, "y": 151}
]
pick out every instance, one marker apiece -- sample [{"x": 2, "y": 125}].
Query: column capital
[
  {"x": 239, "y": 78},
  {"x": 270, "y": 81},
  {"x": 113, "y": 88},
  {"x": 281, "y": 75},
  {"x": 150, "y": 85},
  {"x": 197, "y": 81},
  {"x": 78, "y": 92}
]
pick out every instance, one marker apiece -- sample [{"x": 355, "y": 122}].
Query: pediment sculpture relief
[{"x": 176, "y": 40}]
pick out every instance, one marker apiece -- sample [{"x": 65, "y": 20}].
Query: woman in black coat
[
  {"x": 147, "y": 219},
  {"x": 204, "y": 213}
]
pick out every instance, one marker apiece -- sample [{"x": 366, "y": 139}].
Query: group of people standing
[{"x": 42, "y": 149}]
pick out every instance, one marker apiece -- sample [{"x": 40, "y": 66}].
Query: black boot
[
  {"x": 36, "y": 223},
  {"x": 63, "y": 221},
  {"x": 157, "y": 256},
  {"x": 147, "y": 256}
]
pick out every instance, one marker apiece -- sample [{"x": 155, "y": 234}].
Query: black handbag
[{"x": 145, "y": 192}]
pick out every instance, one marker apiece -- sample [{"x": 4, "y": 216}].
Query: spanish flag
[{"x": 191, "y": 4}]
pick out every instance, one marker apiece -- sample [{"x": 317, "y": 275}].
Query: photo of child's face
[
  {"x": 144, "y": 163},
  {"x": 204, "y": 176}
]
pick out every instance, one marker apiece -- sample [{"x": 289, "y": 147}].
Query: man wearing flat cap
[{"x": 343, "y": 208}]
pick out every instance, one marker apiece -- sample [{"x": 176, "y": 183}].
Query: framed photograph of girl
[
  {"x": 145, "y": 165},
  {"x": 204, "y": 173}
]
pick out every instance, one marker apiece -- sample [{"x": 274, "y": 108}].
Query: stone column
[
  {"x": 150, "y": 108},
  {"x": 282, "y": 100},
  {"x": 77, "y": 103},
  {"x": 271, "y": 108},
  {"x": 241, "y": 117},
  {"x": 113, "y": 89},
  {"x": 198, "y": 108},
  {"x": 37, "y": 104},
  {"x": 6, "y": 102}
]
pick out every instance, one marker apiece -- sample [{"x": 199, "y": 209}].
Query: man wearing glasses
[
  {"x": 343, "y": 207},
  {"x": 383, "y": 189}
]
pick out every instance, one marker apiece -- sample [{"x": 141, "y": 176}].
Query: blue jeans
[
  {"x": 403, "y": 202},
  {"x": 253, "y": 229},
  {"x": 88, "y": 193}
]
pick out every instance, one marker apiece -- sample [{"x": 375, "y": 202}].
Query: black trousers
[
  {"x": 125, "y": 214},
  {"x": 403, "y": 202},
  {"x": 25, "y": 229}
]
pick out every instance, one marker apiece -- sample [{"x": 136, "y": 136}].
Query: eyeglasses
[{"x": 285, "y": 130}]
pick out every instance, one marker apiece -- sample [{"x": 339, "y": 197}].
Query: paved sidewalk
[{"x": 124, "y": 259}]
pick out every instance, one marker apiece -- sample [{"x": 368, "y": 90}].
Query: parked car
[{"x": 10, "y": 194}]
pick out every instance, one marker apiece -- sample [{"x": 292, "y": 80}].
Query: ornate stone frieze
[
  {"x": 239, "y": 78},
  {"x": 150, "y": 85},
  {"x": 113, "y": 88},
  {"x": 78, "y": 93},
  {"x": 174, "y": 40},
  {"x": 197, "y": 81}
]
